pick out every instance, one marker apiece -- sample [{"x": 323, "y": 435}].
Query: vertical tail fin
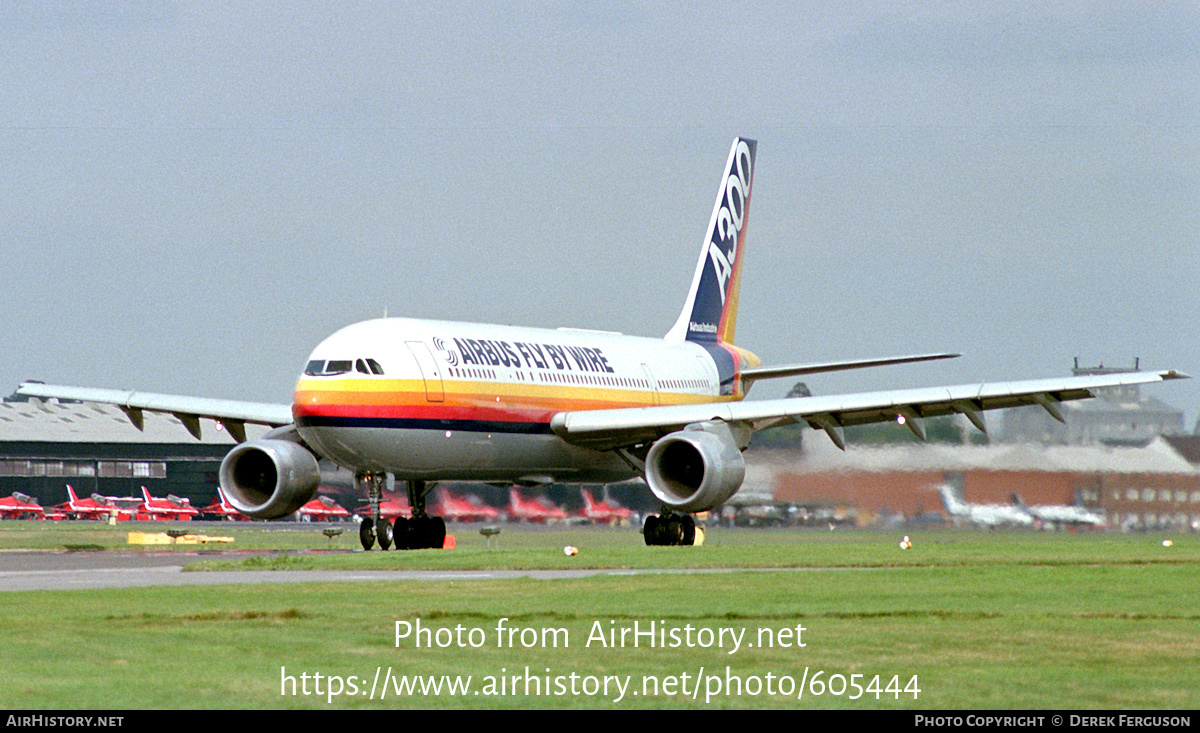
[{"x": 710, "y": 311}]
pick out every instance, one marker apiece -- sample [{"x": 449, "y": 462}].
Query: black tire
[
  {"x": 402, "y": 533},
  {"x": 366, "y": 533},
  {"x": 650, "y": 531},
  {"x": 689, "y": 531},
  {"x": 672, "y": 530},
  {"x": 384, "y": 534},
  {"x": 437, "y": 533}
]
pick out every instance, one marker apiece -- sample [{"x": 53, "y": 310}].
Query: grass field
[{"x": 970, "y": 619}]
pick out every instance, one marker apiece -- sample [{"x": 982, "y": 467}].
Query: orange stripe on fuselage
[{"x": 469, "y": 400}]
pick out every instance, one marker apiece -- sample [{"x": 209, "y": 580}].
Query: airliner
[
  {"x": 426, "y": 401},
  {"x": 1058, "y": 515},
  {"x": 985, "y": 515}
]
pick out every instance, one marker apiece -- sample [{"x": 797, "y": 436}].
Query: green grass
[
  {"x": 983, "y": 620},
  {"x": 92, "y": 535}
]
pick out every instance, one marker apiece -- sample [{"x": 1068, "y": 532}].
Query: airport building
[
  {"x": 1154, "y": 486},
  {"x": 46, "y": 445}
]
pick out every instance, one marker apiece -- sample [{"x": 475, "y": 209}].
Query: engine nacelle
[
  {"x": 695, "y": 469},
  {"x": 269, "y": 478}
]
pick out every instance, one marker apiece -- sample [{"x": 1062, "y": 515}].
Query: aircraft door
[
  {"x": 652, "y": 382},
  {"x": 430, "y": 372}
]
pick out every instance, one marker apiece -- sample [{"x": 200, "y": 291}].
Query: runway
[{"x": 33, "y": 570}]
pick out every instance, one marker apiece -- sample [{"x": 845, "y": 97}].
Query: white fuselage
[{"x": 444, "y": 400}]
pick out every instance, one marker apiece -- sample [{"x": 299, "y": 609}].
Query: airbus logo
[
  {"x": 450, "y": 355},
  {"x": 722, "y": 248}
]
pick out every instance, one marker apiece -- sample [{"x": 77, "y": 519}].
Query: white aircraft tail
[
  {"x": 950, "y": 500},
  {"x": 710, "y": 311}
]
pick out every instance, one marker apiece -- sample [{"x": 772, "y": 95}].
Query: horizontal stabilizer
[{"x": 752, "y": 374}]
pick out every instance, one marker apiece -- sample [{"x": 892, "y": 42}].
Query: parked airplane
[
  {"x": 533, "y": 509},
  {"x": 391, "y": 507},
  {"x": 172, "y": 508},
  {"x": 434, "y": 400},
  {"x": 1057, "y": 515},
  {"x": 21, "y": 506},
  {"x": 603, "y": 511},
  {"x": 220, "y": 508},
  {"x": 322, "y": 509},
  {"x": 985, "y": 515},
  {"x": 457, "y": 508},
  {"x": 101, "y": 507}
]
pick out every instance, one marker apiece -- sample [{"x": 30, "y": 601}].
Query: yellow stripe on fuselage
[{"x": 521, "y": 396}]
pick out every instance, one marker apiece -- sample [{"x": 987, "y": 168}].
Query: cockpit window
[
  {"x": 337, "y": 367},
  {"x": 322, "y": 368},
  {"x": 368, "y": 366}
]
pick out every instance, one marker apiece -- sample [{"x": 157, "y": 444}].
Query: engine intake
[
  {"x": 268, "y": 479},
  {"x": 695, "y": 469}
]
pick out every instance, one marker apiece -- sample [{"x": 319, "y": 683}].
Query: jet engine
[
  {"x": 695, "y": 469},
  {"x": 269, "y": 478}
]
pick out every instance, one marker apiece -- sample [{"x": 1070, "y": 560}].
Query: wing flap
[
  {"x": 604, "y": 429},
  {"x": 188, "y": 410}
]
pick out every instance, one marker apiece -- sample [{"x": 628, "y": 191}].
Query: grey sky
[{"x": 195, "y": 194}]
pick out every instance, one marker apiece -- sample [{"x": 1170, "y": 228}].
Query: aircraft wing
[
  {"x": 232, "y": 414},
  {"x": 607, "y": 429}
]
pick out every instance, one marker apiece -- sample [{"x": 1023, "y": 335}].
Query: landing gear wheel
[
  {"x": 423, "y": 531},
  {"x": 366, "y": 533},
  {"x": 688, "y": 530},
  {"x": 402, "y": 533},
  {"x": 436, "y": 535},
  {"x": 426, "y": 533},
  {"x": 650, "y": 531},
  {"x": 384, "y": 534},
  {"x": 672, "y": 529}
]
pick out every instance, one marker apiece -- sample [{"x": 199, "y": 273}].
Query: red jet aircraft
[
  {"x": 21, "y": 506},
  {"x": 172, "y": 508},
  {"x": 603, "y": 511},
  {"x": 222, "y": 509},
  {"x": 101, "y": 507},
  {"x": 322, "y": 509},
  {"x": 532, "y": 510},
  {"x": 456, "y": 508}
]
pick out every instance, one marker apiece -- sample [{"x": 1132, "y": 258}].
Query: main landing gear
[
  {"x": 670, "y": 529},
  {"x": 420, "y": 532}
]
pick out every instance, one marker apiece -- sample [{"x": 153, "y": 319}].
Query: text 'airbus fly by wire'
[{"x": 428, "y": 401}]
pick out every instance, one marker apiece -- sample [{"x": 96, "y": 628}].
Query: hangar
[{"x": 45, "y": 445}]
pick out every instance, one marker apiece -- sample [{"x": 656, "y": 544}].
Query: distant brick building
[{"x": 1133, "y": 487}]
